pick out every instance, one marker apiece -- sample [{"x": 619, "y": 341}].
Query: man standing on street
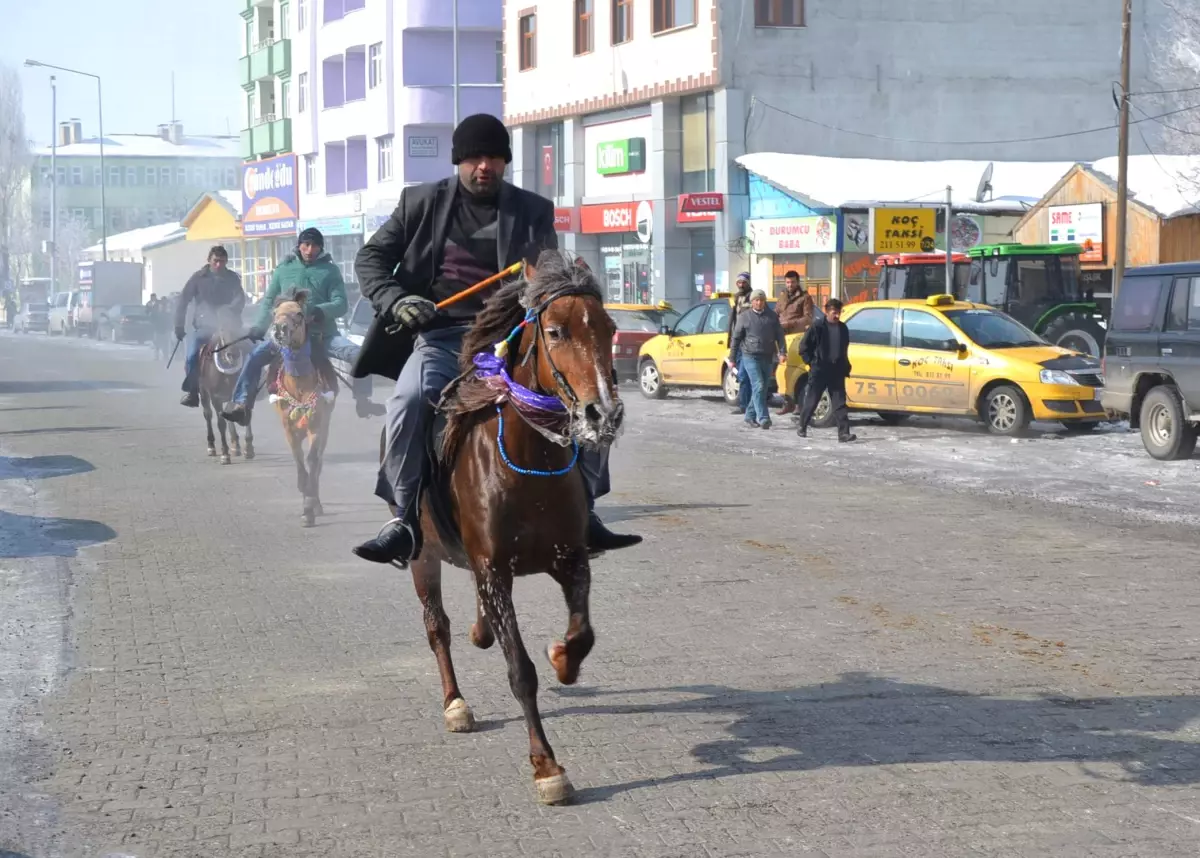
[
  {"x": 741, "y": 301},
  {"x": 309, "y": 269},
  {"x": 444, "y": 237},
  {"x": 216, "y": 290},
  {"x": 758, "y": 337},
  {"x": 795, "y": 308},
  {"x": 826, "y": 350}
]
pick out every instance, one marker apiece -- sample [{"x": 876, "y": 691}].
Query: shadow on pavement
[
  {"x": 635, "y": 511},
  {"x": 52, "y": 430},
  {"x": 865, "y": 720},
  {"x": 4, "y": 853},
  {"x": 48, "y": 386},
  {"x": 36, "y": 408},
  {"x": 35, "y": 536},
  {"x": 42, "y": 467}
]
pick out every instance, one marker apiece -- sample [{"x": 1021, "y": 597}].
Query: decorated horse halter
[{"x": 540, "y": 411}]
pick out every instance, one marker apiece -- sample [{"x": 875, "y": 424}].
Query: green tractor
[{"x": 1039, "y": 285}]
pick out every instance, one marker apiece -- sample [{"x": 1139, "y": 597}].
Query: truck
[
  {"x": 1039, "y": 285},
  {"x": 103, "y": 285}
]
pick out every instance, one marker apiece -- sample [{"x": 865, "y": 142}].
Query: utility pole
[
  {"x": 1122, "y": 152},
  {"x": 103, "y": 174},
  {"x": 949, "y": 244},
  {"x": 53, "y": 186},
  {"x": 454, "y": 32}
]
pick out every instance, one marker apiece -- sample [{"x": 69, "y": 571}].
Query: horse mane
[{"x": 466, "y": 398}]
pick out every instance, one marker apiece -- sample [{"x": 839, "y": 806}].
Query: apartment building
[{"x": 630, "y": 113}]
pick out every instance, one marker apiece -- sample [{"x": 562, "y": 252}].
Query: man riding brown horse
[{"x": 443, "y": 237}]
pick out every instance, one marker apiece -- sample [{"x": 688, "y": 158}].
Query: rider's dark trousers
[{"x": 433, "y": 365}]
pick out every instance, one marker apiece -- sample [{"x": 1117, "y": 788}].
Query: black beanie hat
[
  {"x": 312, "y": 235},
  {"x": 480, "y": 134}
]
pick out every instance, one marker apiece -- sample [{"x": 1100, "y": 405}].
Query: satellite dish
[{"x": 985, "y": 182}]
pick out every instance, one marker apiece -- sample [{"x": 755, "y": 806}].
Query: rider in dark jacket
[{"x": 215, "y": 290}]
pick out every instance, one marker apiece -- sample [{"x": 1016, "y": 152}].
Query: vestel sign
[{"x": 617, "y": 157}]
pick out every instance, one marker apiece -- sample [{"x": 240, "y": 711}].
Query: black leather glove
[
  {"x": 180, "y": 333},
  {"x": 316, "y": 316},
  {"x": 256, "y": 334},
  {"x": 413, "y": 311}
]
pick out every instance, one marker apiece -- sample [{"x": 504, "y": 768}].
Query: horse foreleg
[
  {"x": 427, "y": 579},
  {"x": 495, "y": 594},
  {"x": 481, "y": 631},
  {"x": 296, "y": 443},
  {"x": 222, "y": 425},
  {"x": 206, "y": 406},
  {"x": 574, "y": 574},
  {"x": 235, "y": 445},
  {"x": 249, "y": 434},
  {"x": 316, "y": 459}
]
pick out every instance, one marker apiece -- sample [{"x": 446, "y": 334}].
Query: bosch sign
[{"x": 614, "y": 217}]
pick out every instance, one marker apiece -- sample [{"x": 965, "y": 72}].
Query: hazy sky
[{"x": 134, "y": 45}]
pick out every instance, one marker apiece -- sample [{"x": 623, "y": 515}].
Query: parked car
[
  {"x": 33, "y": 317},
  {"x": 1152, "y": 357},
  {"x": 636, "y": 323},
  {"x": 64, "y": 312},
  {"x": 942, "y": 356},
  {"x": 126, "y": 323}
]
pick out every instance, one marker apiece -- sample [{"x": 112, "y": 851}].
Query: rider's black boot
[
  {"x": 190, "y": 400},
  {"x": 600, "y": 538},
  {"x": 394, "y": 544},
  {"x": 237, "y": 413},
  {"x": 364, "y": 407}
]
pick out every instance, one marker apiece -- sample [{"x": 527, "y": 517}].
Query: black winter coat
[{"x": 816, "y": 349}]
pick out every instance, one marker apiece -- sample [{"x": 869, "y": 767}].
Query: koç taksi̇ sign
[
  {"x": 903, "y": 230},
  {"x": 270, "y": 197}
]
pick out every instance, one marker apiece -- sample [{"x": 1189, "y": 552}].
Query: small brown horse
[
  {"x": 513, "y": 490},
  {"x": 220, "y": 362},
  {"x": 303, "y": 392}
]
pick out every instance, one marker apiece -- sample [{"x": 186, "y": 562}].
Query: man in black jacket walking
[
  {"x": 826, "y": 350},
  {"x": 442, "y": 238}
]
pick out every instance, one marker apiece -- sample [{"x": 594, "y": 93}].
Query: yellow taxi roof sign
[{"x": 939, "y": 300}]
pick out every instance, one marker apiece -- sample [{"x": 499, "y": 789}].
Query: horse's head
[
  {"x": 289, "y": 327},
  {"x": 572, "y": 335}
]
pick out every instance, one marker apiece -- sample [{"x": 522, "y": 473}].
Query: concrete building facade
[{"x": 632, "y": 111}]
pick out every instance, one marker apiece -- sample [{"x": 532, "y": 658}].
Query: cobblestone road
[{"x": 808, "y": 656}]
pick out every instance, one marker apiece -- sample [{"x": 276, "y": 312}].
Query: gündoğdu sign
[
  {"x": 270, "y": 197},
  {"x": 1083, "y": 224},
  {"x": 793, "y": 235}
]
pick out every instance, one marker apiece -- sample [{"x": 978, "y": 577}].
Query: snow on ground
[{"x": 1108, "y": 470}]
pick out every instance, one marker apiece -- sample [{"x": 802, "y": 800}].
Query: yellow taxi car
[
  {"x": 691, "y": 352},
  {"x": 942, "y": 356}
]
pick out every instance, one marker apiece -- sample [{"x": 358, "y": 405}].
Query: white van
[{"x": 64, "y": 310}]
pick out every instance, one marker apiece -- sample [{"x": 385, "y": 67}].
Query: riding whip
[
  {"x": 471, "y": 290},
  {"x": 231, "y": 343},
  {"x": 172, "y": 357}
]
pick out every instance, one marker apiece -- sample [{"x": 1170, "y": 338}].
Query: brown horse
[
  {"x": 303, "y": 392},
  {"x": 509, "y": 486},
  {"x": 220, "y": 362}
]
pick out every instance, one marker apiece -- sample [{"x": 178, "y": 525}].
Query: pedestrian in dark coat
[
  {"x": 758, "y": 337},
  {"x": 741, "y": 302},
  {"x": 826, "y": 350}
]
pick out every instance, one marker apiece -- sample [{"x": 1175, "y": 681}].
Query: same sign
[{"x": 1083, "y": 224}]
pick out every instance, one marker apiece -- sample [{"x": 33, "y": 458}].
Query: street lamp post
[
  {"x": 100, "y": 119},
  {"x": 53, "y": 186}
]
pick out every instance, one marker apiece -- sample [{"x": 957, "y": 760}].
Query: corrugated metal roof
[
  {"x": 150, "y": 146},
  {"x": 139, "y": 239}
]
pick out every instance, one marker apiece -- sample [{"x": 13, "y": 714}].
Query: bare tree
[
  {"x": 15, "y": 161},
  {"x": 73, "y": 238}
]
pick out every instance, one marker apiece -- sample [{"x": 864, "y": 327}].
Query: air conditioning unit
[{"x": 267, "y": 117}]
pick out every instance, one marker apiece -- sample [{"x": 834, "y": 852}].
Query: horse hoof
[
  {"x": 458, "y": 717},
  {"x": 225, "y": 460},
  {"x": 318, "y": 509},
  {"x": 555, "y": 789},
  {"x": 249, "y": 454},
  {"x": 212, "y": 452},
  {"x": 557, "y": 654},
  {"x": 308, "y": 520},
  {"x": 237, "y": 452}
]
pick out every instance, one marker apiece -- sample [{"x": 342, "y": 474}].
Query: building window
[
  {"x": 284, "y": 20},
  {"x": 672, "y": 14},
  {"x": 779, "y": 13},
  {"x": 375, "y": 65},
  {"x": 528, "y": 58},
  {"x": 80, "y": 215},
  {"x": 97, "y": 176},
  {"x": 698, "y": 143},
  {"x": 46, "y": 219},
  {"x": 181, "y": 177},
  {"x": 583, "y": 26},
  {"x": 131, "y": 177},
  {"x": 62, "y": 176},
  {"x": 214, "y": 179},
  {"x": 164, "y": 176},
  {"x": 285, "y": 96},
  {"x": 97, "y": 218},
  {"x": 385, "y": 158},
  {"x": 310, "y": 174},
  {"x": 499, "y": 61},
  {"x": 622, "y": 21},
  {"x": 114, "y": 176},
  {"x": 198, "y": 177},
  {"x": 301, "y": 14},
  {"x": 77, "y": 175},
  {"x": 551, "y": 175},
  {"x": 151, "y": 217},
  {"x": 302, "y": 92},
  {"x": 114, "y": 220},
  {"x": 151, "y": 176},
  {"x": 230, "y": 179}
]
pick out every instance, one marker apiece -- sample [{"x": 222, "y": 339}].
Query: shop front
[
  {"x": 623, "y": 232},
  {"x": 343, "y": 240},
  {"x": 806, "y": 245},
  {"x": 696, "y": 214},
  {"x": 270, "y": 212}
]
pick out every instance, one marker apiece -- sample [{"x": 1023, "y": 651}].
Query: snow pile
[{"x": 1168, "y": 184}]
